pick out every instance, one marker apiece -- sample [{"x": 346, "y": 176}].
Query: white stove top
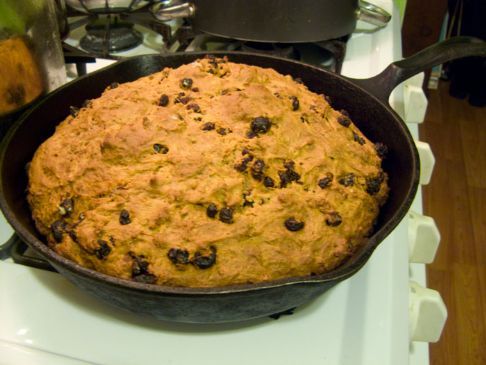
[
  {"x": 354, "y": 323},
  {"x": 44, "y": 319}
]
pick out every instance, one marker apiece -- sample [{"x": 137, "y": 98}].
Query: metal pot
[
  {"x": 274, "y": 20},
  {"x": 365, "y": 100}
]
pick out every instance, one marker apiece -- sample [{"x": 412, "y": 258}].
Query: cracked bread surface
[{"x": 214, "y": 173}]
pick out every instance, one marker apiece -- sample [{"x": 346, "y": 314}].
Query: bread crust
[{"x": 240, "y": 175}]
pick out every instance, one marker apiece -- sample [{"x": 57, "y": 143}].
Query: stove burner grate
[
  {"x": 326, "y": 54},
  {"x": 108, "y": 34},
  {"x": 21, "y": 254},
  {"x": 275, "y": 49}
]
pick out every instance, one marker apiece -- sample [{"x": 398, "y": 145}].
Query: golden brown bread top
[{"x": 210, "y": 174}]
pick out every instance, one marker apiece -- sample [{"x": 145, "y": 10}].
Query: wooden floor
[{"x": 456, "y": 199}]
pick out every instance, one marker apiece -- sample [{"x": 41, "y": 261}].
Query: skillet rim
[{"x": 340, "y": 273}]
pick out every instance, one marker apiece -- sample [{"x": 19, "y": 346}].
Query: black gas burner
[
  {"x": 108, "y": 34},
  {"x": 327, "y": 54},
  {"x": 274, "y": 49}
]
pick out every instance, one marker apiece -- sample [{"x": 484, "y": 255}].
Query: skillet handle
[{"x": 383, "y": 84}]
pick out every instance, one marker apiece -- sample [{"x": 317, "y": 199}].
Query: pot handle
[
  {"x": 373, "y": 14},
  {"x": 383, "y": 84},
  {"x": 177, "y": 11}
]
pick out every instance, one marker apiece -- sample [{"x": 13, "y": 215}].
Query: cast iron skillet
[{"x": 365, "y": 100}]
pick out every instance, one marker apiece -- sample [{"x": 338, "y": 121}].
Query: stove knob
[
  {"x": 427, "y": 162},
  {"x": 423, "y": 238},
  {"x": 415, "y": 102},
  {"x": 428, "y": 314}
]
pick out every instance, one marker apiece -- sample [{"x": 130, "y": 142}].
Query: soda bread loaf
[{"x": 211, "y": 174}]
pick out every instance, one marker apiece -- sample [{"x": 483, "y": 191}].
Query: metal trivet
[
  {"x": 21, "y": 254},
  {"x": 326, "y": 54}
]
